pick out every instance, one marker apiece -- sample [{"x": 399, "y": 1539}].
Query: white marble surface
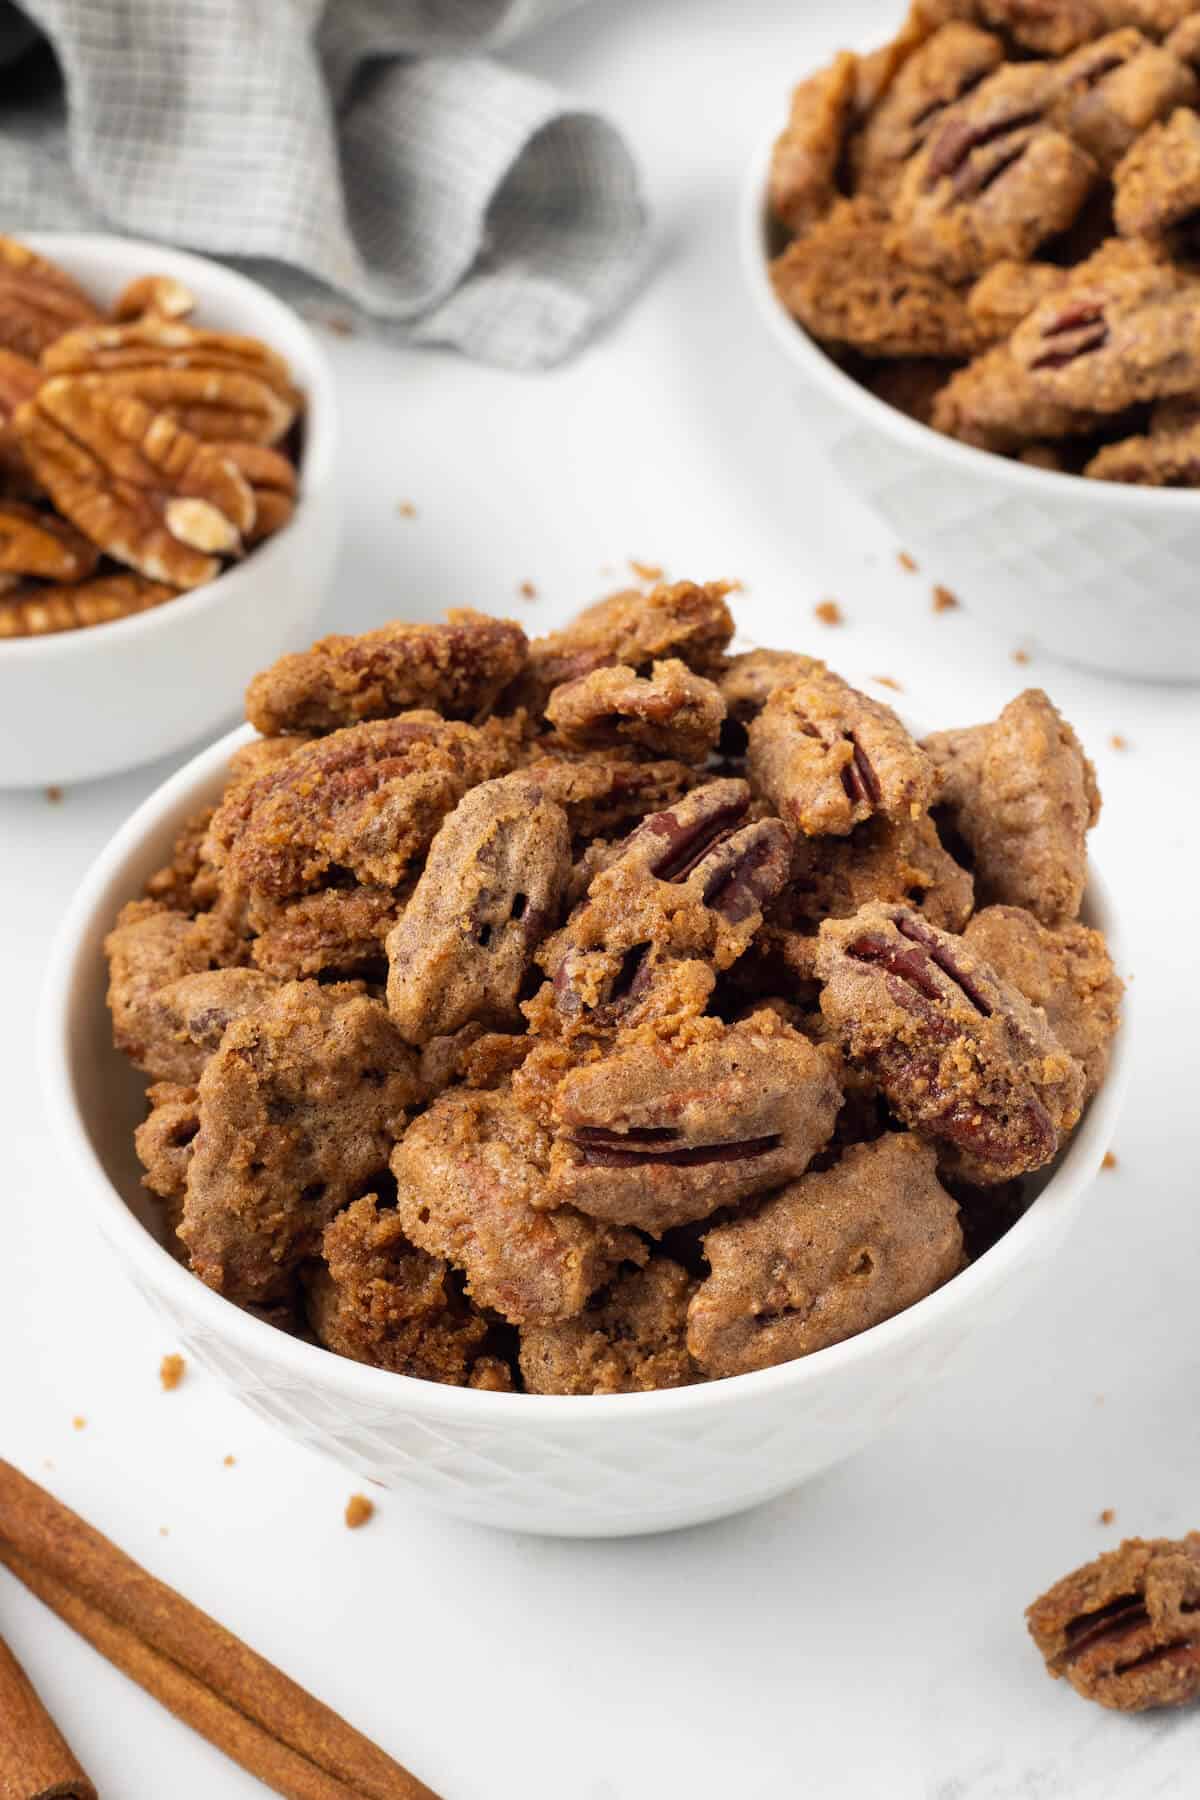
[{"x": 863, "y": 1636}]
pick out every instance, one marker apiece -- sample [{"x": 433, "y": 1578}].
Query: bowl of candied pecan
[
  {"x": 168, "y": 515},
  {"x": 976, "y": 246},
  {"x": 591, "y": 1082}
]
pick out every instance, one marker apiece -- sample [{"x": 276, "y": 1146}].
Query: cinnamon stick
[
  {"x": 36, "y": 1761},
  {"x": 193, "y": 1666}
]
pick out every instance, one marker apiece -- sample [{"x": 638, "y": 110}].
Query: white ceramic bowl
[
  {"x": 1100, "y": 574},
  {"x": 84, "y": 703},
  {"x": 608, "y": 1465}
]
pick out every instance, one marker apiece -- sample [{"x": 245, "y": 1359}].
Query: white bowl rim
[
  {"x": 318, "y": 466},
  {"x": 312, "y": 1364},
  {"x": 921, "y": 440}
]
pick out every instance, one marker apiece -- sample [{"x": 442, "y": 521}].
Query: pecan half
[
  {"x": 181, "y": 1023},
  {"x": 604, "y": 795},
  {"x": 160, "y": 295},
  {"x": 1109, "y": 91},
  {"x": 804, "y": 161},
  {"x": 961, "y": 1056},
  {"x": 38, "y": 300},
  {"x": 658, "y": 1134},
  {"x": 747, "y": 683},
  {"x": 35, "y": 612},
  {"x": 628, "y": 1340},
  {"x": 490, "y": 890},
  {"x": 338, "y": 930},
  {"x": 164, "y": 1141},
  {"x": 670, "y": 713},
  {"x": 937, "y": 74},
  {"x": 1125, "y": 1629},
  {"x": 900, "y": 860},
  {"x": 34, "y": 542},
  {"x": 273, "y": 482}
]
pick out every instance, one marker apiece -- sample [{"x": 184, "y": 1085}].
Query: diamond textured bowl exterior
[{"x": 605, "y": 1466}]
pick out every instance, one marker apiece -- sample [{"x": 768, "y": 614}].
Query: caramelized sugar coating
[
  {"x": 682, "y": 619},
  {"x": 298, "y": 1110},
  {"x": 1022, "y": 796},
  {"x": 164, "y": 1140},
  {"x": 748, "y": 680},
  {"x": 827, "y": 758},
  {"x": 804, "y": 163},
  {"x": 337, "y": 930},
  {"x": 826, "y": 1258},
  {"x": 491, "y": 889},
  {"x": 605, "y": 795},
  {"x": 950, "y": 63},
  {"x": 471, "y": 1181},
  {"x": 629, "y": 1339},
  {"x": 149, "y": 949},
  {"x": 1168, "y": 455},
  {"x": 1008, "y": 293},
  {"x": 1067, "y": 972},
  {"x": 961, "y": 1056},
  {"x": 670, "y": 712},
  {"x": 1157, "y": 182},
  {"x": 900, "y": 860},
  {"x": 183, "y": 1022},
  {"x": 1125, "y": 1628},
  {"x": 458, "y": 669},
  {"x": 657, "y": 1134},
  {"x": 1109, "y": 91}
]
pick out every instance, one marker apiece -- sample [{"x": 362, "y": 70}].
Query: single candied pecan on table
[
  {"x": 1168, "y": 455},
  {"x": 628, "y": 1340},
  {"x": 803, "y": 182},
  {"x": 827, "y": 757},
  {"x": 340, "y": 930},
  {"x": 949, "y": 64},
  {"x": 1021, "y": 796},
  {"x": 658, "y": 1133},
  {"x": 491, "y": 889},
  {"x": 458, "y": 669},
  {"x": 1109, "y": 91},
  {"x": 671, "y": 712},
  {"x": 39, "y": 611},
  {"x": 367, "y": 799},
  {"x": 1068, "y": 972},
  {"x": 377, "y": 1299},
  {"x": 683, "y": 897},
  {"x": 961, "y": 1056},
  {"x": 830, "y": 1256},
  {"x": 900, "y": 860},
  {"x": 1125, "y": 1628},
  {"x": 683, "y": 619},
  {"x": 35, "y": 542},
  {"x": 134, "y": 482},
  {"x": 38, "y": 300},
  {"x": 299, "y": 1109},
  {"x": 847, "y": 286},
  {"x": 471, "y": 1179},
  {"x": 1157, "y": 182},
  {"x": 604, "y": 794},
  {"x": 215, "y": 384}
]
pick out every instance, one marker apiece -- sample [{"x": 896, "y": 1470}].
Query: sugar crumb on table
[
  {"x": 645, "y": 571},
  {"x": 171, "y": 1371},
  {"x": 406, "y": 509},
  {"x": 1020, "y": 656},
  {"x": 228, "y": 1462},
  {"x": 1117, "y": 742},
  {"x": 359, "y": 1510},
  {"x": 527, "y": 590},
  {"x": 908, "y": 563},
  {"x": 944, "y": 600},
  {"x": 828, "y": 612},
  {"x": 54, "y": 795},
  {"x": 888, "y": 681},
  {"x": 1107, "y": 1516},
  {"x": 79, "y": 1422},
  {"x": 1109, "y": 1160}
]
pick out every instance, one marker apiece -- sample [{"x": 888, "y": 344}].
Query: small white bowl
[
  {"x": 573, "y": 1467},
  {"x": 79, "y": 704},
  {"x": 1100, "y": 574}
]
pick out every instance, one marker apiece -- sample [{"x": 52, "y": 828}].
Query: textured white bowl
[
  {"x": 1100, "y": 574},
  {"x": 604, "y": 1466},
  {"x": 84, "y": 703}
]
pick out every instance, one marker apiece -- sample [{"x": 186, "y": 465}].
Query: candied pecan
[
  {"x": 161, "y": 295},
  {"x": 803, "y": 182},
  {"x": 603, "y": 794},
  {"x": 848, "y": 287},
  {"x": 948, "y": 65},
  {"x": 188, "y": 883},
  {"x": 627, "y": 1341},
  {"x": 337, "y": 929},
  {"x": 1157, "y": 182},
  {"x": 474, "y": 1056},
  {"x": 471, "y": 1183},
  {"x": 164, "y": 1140},
  {"x": 1125, "y": 1628},
  {"x": 687, "y": 887},
  {"x": 457, "y": 669},
  {"x": 832, "y": 1255},
  {"x": 885, "y": 859},
  {"x": 656, "y": 1134},
  {"x": 671, "y": 713},
  {"x": 215, "y": 384},
  {"x": 134, "y": 482},
  {"x": 994, "y": 404},
  {"x": 961, "y": 1056},
  {"x": 683, "y": 619},
  {"x": 299, "y": 1109},
  {"x": 490, "y": 890},
  {"x": 38, "y": 611},
  {"x": 1108, "y": 92},
  {"x": 33, "y": 542},
  {"x": 147, "y": 949},
  {"x": 1168, "y": 455},
  {"x": 1047, "y": 27},
  {"x": 827, "y": 757},
  {"x": 1067, "y": 972},
  {"x": 181, "y": 1023},
  {"x": 1184, "y": 40},
  {"x": 1022, "y": 796},
  {"x": 378, "y": 1299},
  {"x": 38, "y": 300},
  {"x": 748, "y": 681},
  {"x": 1008, "y": 293},
  {"x": 368, "y": 799}
]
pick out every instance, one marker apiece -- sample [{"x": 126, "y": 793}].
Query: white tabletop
[{"x": 863, "y": 1636}]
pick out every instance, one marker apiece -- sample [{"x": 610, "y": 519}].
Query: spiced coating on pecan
[
  {"x": 748, "y": 680},
  {"x": 949, "y": 64},
  {"x": 1046, "y": 27},
  {"x": 899, "y": 860},
  {"x": 188, "y": 882},
  {"x": 848, "y": 286},
  {"x": 606, "y": 795},
  {"x": 471, "y": 1184},
  {"x": 803, "y": 181},
  {"x": 659, "y": 1133},
  {"x": 164, "y": 1139},
  {"x": 337, "y": 930},
  {"x": 1022, "y": 796},
  {"x": 1110, "y": 90},
  {"x": 961, "y": 1056},
  {"x": 684, "y": 619},
  {"x": 1008, "y": 293},
  {"x": 1168, "y": 455},
  {"x": 1157, "y": 182},
  {"x": 183, "y": 1022},
  {"x": 1125, "y": 1628},
  {"x": 630, "y": 1339},
  {"x": 148, "y": 949},
  {"x": 377, "y": 1299},
  {"x": 827, "y": 758},
  {"x": 670, "y": 712},
  {"x": 1067, "y": 972},
  {"x": 458, "y": 669},
  {"x": 299, "y": 1108},
  {"x": 490, "y": 891},
  {"x": 830, "y": 1256}
]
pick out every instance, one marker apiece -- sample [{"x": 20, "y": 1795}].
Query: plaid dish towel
[{"x": 363, "y": 146}]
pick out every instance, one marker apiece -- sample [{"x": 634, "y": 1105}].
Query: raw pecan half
[
  {"x": 273, "y": 481},
  {"x": 38, "y": 300},
  {"x": 160, "y": 295},
  {"x": 38, "y": 611},
  {"x": 34, "y": 542}
]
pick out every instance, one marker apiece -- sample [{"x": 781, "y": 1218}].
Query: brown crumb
[
  {"x": 1110, "y": 1161},
  {"x": 645, "y": 571},
  {"x": 944, "y": 600},
  {"x": 228, "y": 1462},
  {"x": 358, "y": 1510},
  {"x": 907, "y": 562},
  {"x": 171, "y": 1371},
  {"x": 1107, "y": 1516},
  {"x": 1020, "y": 656},
  {"x": 406, "y": 509},
  {"x": 1117, "y": 742},
  {"x": 829, "y": 613},
  {"x": 163, "y": 1531},
  {"x": 54, "y": 795},
  {"x": 527, "y": 591},
  {"x": 888, "y": 681},
  {"x": 79, "y": 1422}
]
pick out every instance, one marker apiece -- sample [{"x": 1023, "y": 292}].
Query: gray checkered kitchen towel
[{"x": 363, "y": 146}]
